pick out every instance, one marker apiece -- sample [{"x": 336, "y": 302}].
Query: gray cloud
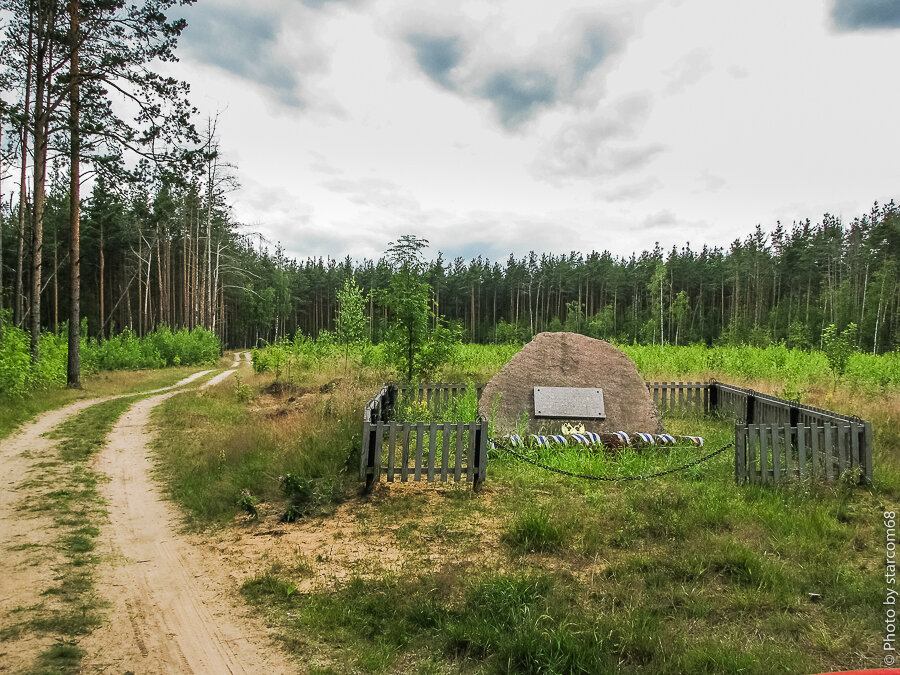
[
  {"x": 437, "y": 56},
  {"x": 516, "y": 94},
  {"x": 243, "y": 42},
  {"x": 852, "y": 15},
  {"x": 630, "y": 191},
  {"x": 688, "y": 70},
  {"x": 599, "y": 146},
  {"x": 374, "y": 192},
  {"x": 517, "y": 87},
  {"x": 596, "y": 45},
  {"x": 319, "y": 4}
]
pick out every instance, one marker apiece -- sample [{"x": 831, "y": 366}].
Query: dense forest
[
  {"x": 164, "y": 253},
  {"x": 151, "y": 239}
]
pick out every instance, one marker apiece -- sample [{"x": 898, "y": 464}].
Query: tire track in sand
[
  {"x": 171, "y": 611},
  {"x": 27, "y": 536}
]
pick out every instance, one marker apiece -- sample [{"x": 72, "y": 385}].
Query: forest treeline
[
  {"x": 163, "y": 252},
  {"x": 152, "y": 240}
]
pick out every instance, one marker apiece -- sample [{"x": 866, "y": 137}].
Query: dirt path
[
  {"x": 27, "y": 535},
  {"x": 174, "y": 604}
]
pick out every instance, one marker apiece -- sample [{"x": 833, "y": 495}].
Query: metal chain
[{"x": 515, "y": 454}]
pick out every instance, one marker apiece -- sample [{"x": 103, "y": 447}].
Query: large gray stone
[{"x": 569, "y": 360}]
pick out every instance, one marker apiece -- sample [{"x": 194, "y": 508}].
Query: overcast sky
[{"x": 499, "y": 126}]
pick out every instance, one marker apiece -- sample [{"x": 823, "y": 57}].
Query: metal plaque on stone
[{"x": 569, "y": 403}]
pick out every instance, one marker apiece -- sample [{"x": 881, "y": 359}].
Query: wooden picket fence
[
  {"x": 689, "y": 395},
  {"x": 770, "y": 453},
  {"x": 431, "y": 451},
  {"x": 776, "y": 439}
]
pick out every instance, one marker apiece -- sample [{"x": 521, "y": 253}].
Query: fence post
[
  {"x": 480, "y": 450},
  {"x": 750, "y": 415},
  {"x": 712, "y": 397},
  {"x": 740, "y": 454},
  {"x": 370, "y": 460},
  {"x": 364, "y": 452},
  {"x": 867, "y": 452}
]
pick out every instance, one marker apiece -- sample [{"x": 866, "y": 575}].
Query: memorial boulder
[{"x": 591, "y": 380}]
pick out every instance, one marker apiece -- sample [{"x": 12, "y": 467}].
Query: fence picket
[
  {"x": 457, "y": 470},
  {"x": 432, "y": 450},
  {"x": 364, "y": 455},
  {"x": 445, "y": 451},
  {"x": 379, "y": 442},
  {"x": 418, "y": 470},
  {"x": 392, "y": 444},
  {"x": 470, "y": 461},
  {"x": 816, "y": 455},
  {"x": 845, "y": 447},
  {"x": 801, "y": 451},
  {"x": 827, "y": 450},
  {"x": 404, "y": 466},
  {"x": 776, "y": 454}
]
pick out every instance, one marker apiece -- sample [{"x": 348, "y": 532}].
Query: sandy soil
[
  {"x": 173, "y": 604},
  {"x": 174, "y": 607},
  {"x": 27, "y": 536}
]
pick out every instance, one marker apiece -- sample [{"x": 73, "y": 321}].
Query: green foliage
[
  {"x": 243, "y": 392},
  {"x": 535, "y": 530},
  {"x": 509, "y": 333},
  {"x": 352, "y": 325},
  {"x": 248, "y": 503},
  {"x": 16, "y": 376},
  {"x": 417, "y": 341},
  {"x": 124, "y": 351},
  {"x": 301, "y": 494},
  {"x": 838, "y": 347},
  {"x": 793, "y": 367}
]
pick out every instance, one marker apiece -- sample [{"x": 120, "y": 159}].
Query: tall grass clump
[
  {"x": 294, "y": 459},
  {"x": 292, "y": 359},
  {"x": 776, "y": 362}
]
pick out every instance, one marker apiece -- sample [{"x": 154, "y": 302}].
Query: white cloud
[{"x": 521, "y": 125}]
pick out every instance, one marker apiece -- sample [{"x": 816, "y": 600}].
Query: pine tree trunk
[
  {"x": 73, "y": 370},
  {"x": 41, "y": 131},
  {"x": 1, "y": 240},
  {"x": 19, "y": 314},
  {"x": 140, "y": 285},
  {"x": 102, "y": 276},
  {"x": 55, "y": 281}
]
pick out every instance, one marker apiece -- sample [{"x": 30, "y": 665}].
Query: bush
[{"x": 124, "y": 351}]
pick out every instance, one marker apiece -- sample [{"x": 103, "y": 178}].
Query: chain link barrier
[{"x": 610, "y": 479}]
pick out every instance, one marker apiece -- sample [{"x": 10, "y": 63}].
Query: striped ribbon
[{"x": 589, "y": 438}]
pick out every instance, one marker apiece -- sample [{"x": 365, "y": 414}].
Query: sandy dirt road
[
  {"x": 27, "y": 536},
  {"x": 175, "y": 607}
]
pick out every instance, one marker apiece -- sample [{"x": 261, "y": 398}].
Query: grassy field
[
  {"x": 539, "y": 573},
  {"x": 16, "y": 410}
]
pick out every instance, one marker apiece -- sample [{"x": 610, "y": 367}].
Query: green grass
[
  {"x": 61, "y": 659},
  {"x": 67, "y": 490},
  {"x": 543, "y": 573},
  {"x": 535, "y": 530},
  {"x": 15, "y": 411},
  {"x": 688, "y": 573},
  {"x": 793, "y": 367},
  {"x": 528, "y": 621},
  {"x": 214, "y": 448}
]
